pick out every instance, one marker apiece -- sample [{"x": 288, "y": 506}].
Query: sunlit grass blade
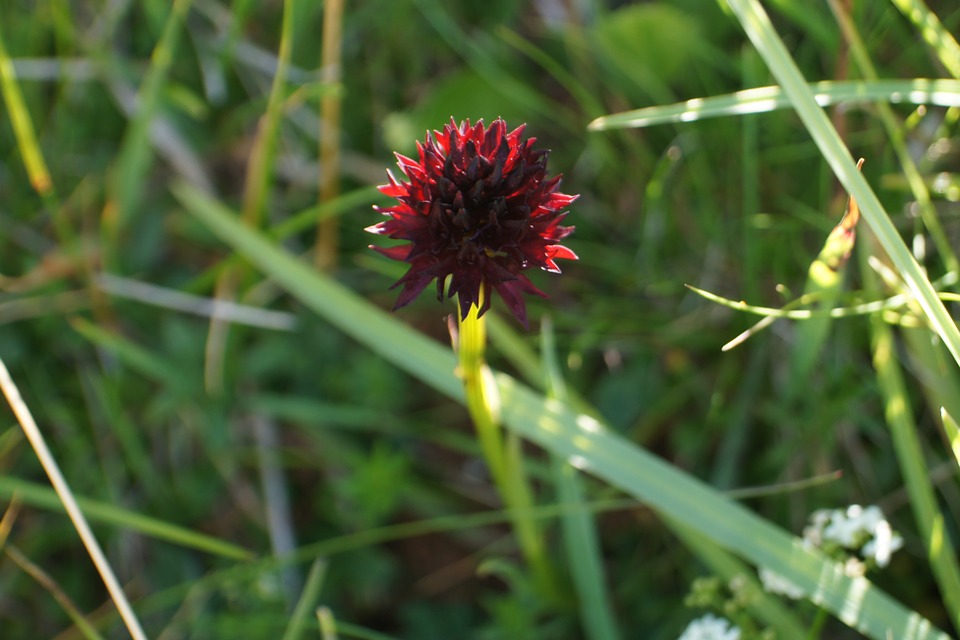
[
  {"x": 756, "y": 23},
  {"x": 953, "y": 432},
  {"x": 913, "y": 466},
  {"x": 574, "y": 436},
  {"x": 934, "y": 33},
  {"x": 38, "y": 496},
  {"x": 23, "y": 127},
  {"x": 944, "y": 93},
  {"x": 791, "y": 312}
]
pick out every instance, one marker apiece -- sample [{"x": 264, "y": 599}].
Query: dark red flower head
[{"x": 479, "y": 208}]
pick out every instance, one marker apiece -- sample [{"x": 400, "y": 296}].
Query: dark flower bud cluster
[{"x": 478, "y": 209}]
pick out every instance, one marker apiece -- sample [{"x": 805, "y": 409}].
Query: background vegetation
[{"x": 204, "y": 451}]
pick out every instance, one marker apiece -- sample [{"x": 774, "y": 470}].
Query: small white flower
[
  {"x": 777, "y": 584},
  {"x": 846, "y": 529},
  {"x": 710, "y": 627},
  {"x": 883, "y": 544},
  {"x": 856, "y": 528}
]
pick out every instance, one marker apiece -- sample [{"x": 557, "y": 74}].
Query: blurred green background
[{"x": 269, "y": 438}]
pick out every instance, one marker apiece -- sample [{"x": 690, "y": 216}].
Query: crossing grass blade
[
  {"x": 933, "y": 32},
  {"x": 756, "y": 23},
  {"x": 944, "y": 93},
  {"x": 38, "y": 496},
  {"x": 573, "y": 436}
]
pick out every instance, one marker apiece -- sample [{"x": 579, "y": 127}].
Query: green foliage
[{"x": 127, "y": 136}]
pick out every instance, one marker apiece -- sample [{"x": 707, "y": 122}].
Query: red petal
[{"x": 399, "y": 252}]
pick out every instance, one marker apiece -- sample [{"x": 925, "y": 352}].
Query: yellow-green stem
[{"x": 504, "y": 456}]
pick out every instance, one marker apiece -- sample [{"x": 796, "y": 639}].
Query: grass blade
[
  {"x": 39, "y": 496},
  {"x": 756, "y": 23},
  {"x": 23, "y": 127},
  {"x": 133, "y": 161},
  {"x": 65, "y": 493},
  {"x": 940, "y": 40},
  {"x": 945, "y": 93},
  {"x": 953, "y": 432},
  {"x": 570, "y": 435},
  {"x": 308, "y": 598},
  {"x": 927, "y": 514}
]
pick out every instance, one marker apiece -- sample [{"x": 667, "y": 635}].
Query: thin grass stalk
[
  {"x": 328, "y": 230},
  {"x": 60, "y": 485},
  {"x": 307, "y": 601},
  {"x": 135, "y": 155},
  {"x": 30, "y": 151},
  {"x": 42, "y": 578},
  {"x": 756, "y": 23},
  {"x": 504, "y": 455},
  {"x": 259, "y": 178}
]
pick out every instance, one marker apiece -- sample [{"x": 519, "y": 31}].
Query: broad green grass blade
[
  {"x": 759, "y": 29},
  {"x": 945, "y": 93},
  {"x": 573, "y": 436},
  {"x": 953, "y": 433},
  {"x": 40, "y": 496},
  {"x": 940, "y": 40}
]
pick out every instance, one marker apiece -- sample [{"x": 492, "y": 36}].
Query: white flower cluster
[
  {"x": 855, "y": 529},
  {"x": 710, "y": 627},
  {"x": 862, "y": 529}
]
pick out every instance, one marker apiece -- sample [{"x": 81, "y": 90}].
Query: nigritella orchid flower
[{"x": 478, "y": 209}]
